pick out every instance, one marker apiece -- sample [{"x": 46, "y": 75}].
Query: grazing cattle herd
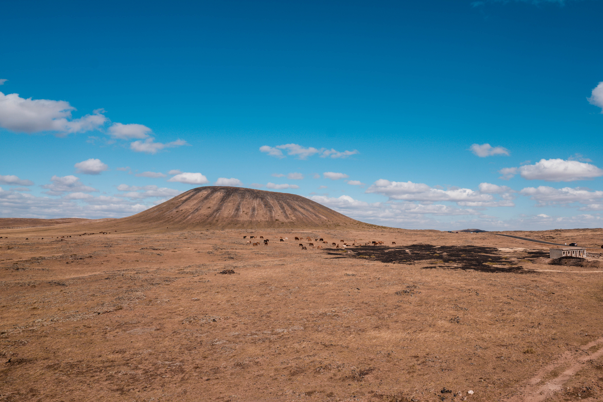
[{"x": 310, "y": 242}]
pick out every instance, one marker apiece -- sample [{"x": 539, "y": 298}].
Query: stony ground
[{"x": 202, "y": 315}]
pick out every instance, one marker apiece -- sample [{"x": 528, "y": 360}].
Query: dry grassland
[{"x": 151, "y": 317}]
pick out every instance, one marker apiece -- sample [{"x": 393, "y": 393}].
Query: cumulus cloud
[
  {"x": 152, "y": 175},
  {"x": 222, "y": 181},
  {"x": 410, "y": 191},
  {"x": 335, "y": 176},
  {"x": 74, "y": 205},
  {"x": 295, "y": 176},
  {"x": 42, "y": 115},
  {"x": 508, "y": 173},
  {"x": 281, "y": 186},
  {"x": 67, "y": 184},
  {"x": 13, "y": 180},
  {"x": 488, "y": 188},
  {"x": 91, "y": 166},
  {"x": 129, "y": 131},
  {"x": 545, "y": 195},
  {"x": 302, "y": 152},
  {"x": 190, "y": 178},
  {"x": 406, "y": 214},
  {"x": 174, "y": 171},
  {"x": 355, "y": 183},
  {"x": 141, "y": 192},
  {"x": 596, "y": 97},
  {"x": 560, "y": 170},
  {"x": 272, "y": 151},
  {"x": 487, "y": 150},
  {"x": 149, "y": 145},
  {"x": 336, "y": 154}
]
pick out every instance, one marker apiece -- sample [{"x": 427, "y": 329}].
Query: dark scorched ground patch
[{"x": 483, "y": 259}]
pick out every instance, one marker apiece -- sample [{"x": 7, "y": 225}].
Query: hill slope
[{"x": 233, "y": 207}]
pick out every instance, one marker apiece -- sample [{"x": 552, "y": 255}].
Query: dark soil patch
[{"x": 484, "y": 259}]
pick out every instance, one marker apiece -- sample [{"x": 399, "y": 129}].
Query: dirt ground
[{"x": 202, "y": 315}]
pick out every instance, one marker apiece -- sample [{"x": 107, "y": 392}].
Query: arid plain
[{"x": 147, "y": 316}]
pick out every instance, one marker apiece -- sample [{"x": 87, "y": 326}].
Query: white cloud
[
  {"x": 153, "y": 175},
  {"x": 140, "y": 192},
  {"x": 545, "y": 195},
  {"x": 592, "y": 207},
  {"x": 277, "y": 175},
  {"x": 190, "y": 178},
  {"x": 149, "y": 145},
  {"x": 597, "y": 96},
  {"x": 410, "y": 191},
  {"x": 91, "y": 166},
  {"x": 66, "y": 184},
  {"x": 508, "y": 173},
  {"x": 295, "y": 176},
  {"x": 298, "y": 150},
  {"x": 34, "y": 116},
  {"x": 316, "y": 176},
  {"x": 13, "y": 180},
  {"x": 174, "y": 171},
  {"x": 222, "y": 181},
  {"x": 488, "y": 188},
  {"x": 2, "y": 81},
  {"x": 272, "y": 151},
  {"x": 321, "y": 187},
  {"x": 123, "y": 169},
  {"x": 303, "y": 152},
  {"x": 355, "y": 183},
  {"x": 257, "y": 185},
  {"x": 408, "y": 214},
  {"x": 487, "y": 150},
  {"x": 75, "y": 205},
  {"x": 129, "y": 131},
  {"x": 78, "y": 196},
  {"x": 281, "y": 186},
  {"x": 336, "y": 154},
  {"x": 335, "y": 176},
  {"x": 560, "y": 170}
]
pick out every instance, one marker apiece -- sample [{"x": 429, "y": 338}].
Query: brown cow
[
  {"x": 256, "y": 244},
  {"x": 261, "y": 237},
  {"x": 297, "y": 238},
  {"x": 282, "y": 240},
  {"x": 321, "y": 239},
  {"x": 301, "y": 245},
  {"x": 244, "y": 237},
  {"x": 311, "y": 244},
  {"x": 393, "y": 243},
  {"x": 304, "y": 248}
]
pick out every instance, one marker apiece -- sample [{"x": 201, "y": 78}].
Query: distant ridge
[{"x": 233, "y": 207}]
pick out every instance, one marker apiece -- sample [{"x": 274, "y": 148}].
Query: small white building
[{"x": 577, "y": 252}]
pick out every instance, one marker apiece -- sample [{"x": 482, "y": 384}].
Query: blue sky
[{"x": 397, "y": 113}]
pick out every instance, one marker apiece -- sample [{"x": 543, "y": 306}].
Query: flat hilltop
[{"x": 204, "y": 315}]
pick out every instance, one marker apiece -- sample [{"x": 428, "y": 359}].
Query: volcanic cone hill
[{"x": 233, "y": 207}]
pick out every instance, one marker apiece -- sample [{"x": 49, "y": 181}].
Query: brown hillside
[{"x": 233, "y": 207}]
